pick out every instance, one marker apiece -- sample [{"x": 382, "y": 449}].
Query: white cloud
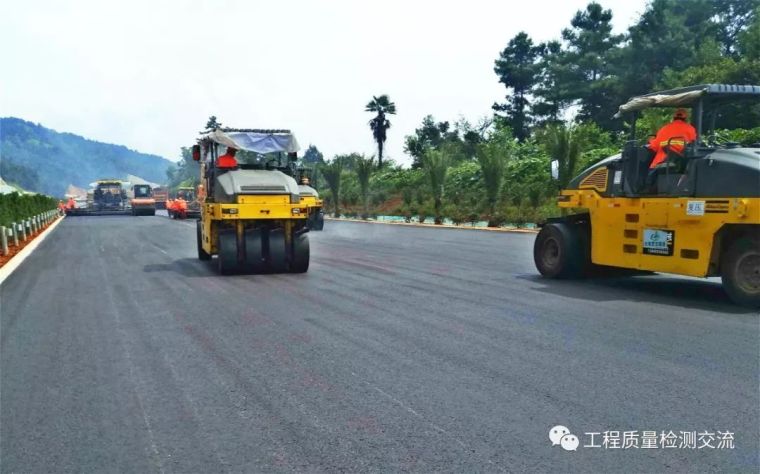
[{"x": 148, "y": 74}]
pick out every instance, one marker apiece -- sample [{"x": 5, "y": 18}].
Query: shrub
[{"x": 15, "y": 207}]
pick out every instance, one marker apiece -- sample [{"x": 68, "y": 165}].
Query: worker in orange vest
[
  {"x": 227, "y": 161},
  {"x": 61, "y": 207},
  {"x": 71, "y": 204},
  {"x": 675, "y": 135}
]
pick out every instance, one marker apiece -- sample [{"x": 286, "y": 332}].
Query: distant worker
[
  {"x": 61, "y": 207},
  {"x": 71, "y": 204},
  {"x": 227, "y": 160},
  {"x": 674, "y": 135}
]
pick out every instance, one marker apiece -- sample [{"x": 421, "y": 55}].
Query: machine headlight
[{"x": 295, "y": 198}]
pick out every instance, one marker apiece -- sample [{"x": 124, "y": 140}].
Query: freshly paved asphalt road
[{"x": 402, "y": 349}]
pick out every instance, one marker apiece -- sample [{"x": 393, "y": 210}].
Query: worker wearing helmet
[
  {"x": 71, "y": 204},
  {"x": 674, "y": 135},
  {"x": 227, "y": 161},
  {"x": 61, "y": 207}
]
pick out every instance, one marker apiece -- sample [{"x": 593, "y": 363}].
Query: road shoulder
[{"x": 16, "y": 260}]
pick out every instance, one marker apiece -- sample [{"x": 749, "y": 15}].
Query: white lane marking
[{"x": 15, "y": 261}]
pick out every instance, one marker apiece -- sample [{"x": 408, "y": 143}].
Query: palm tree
[
  {"x": 563, "y": 145},
  {"x": 492, "y": 157},
  {"x": 332, "y": 173},
  {"x": 363, "y": 167},
  {"x": 379, "y": 124},
  {"x": 436, "y": 164}
]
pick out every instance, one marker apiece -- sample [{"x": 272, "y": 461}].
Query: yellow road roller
[{"x": 252, "y": 219}]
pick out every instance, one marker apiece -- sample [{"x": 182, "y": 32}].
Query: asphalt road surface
[{"x": 402, "y": 349}]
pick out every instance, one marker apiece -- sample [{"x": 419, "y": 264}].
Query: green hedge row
[{"x": 15, "y": 207}]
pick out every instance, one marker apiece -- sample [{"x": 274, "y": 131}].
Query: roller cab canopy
[
  {"x": 691, "y": 96},
  {"x": 254, "y": 140},
  {"x": 706, "y": 102}
]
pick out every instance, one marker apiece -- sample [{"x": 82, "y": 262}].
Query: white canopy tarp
[
  {"x": 683, "y": 99},
  {"x": 257, "y": 142}
]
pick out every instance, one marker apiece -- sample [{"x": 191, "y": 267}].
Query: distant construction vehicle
[
  {"x": 142, "y": 200},
  {"x": 107, "y": 197},
  {"x": 312, "y": 202},
  {"x": 697, "y": 215},
  {"x": 185, "y": 204},
  {"x": 253, "y": 218},
  {"x": 161, "y": 195}
]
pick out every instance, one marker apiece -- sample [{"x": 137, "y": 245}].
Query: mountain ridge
[{"x": 46, "y": 161}]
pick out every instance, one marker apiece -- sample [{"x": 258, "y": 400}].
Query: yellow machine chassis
[
  {"x": 249, "y": 209},
  {"x": 311, "y": 203},
  {"x": 618, "y": 226}
]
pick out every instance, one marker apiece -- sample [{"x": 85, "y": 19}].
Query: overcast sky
[{"x": 148, "y": 74}]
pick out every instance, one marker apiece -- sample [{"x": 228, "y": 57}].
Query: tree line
[
  {"x": 591, "y": 70},
  {"x": 560, "y": 98},
  {"x": 559, "y": 105}
]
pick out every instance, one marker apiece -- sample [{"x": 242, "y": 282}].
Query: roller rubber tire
[
  {"x": 254, "y": 252},
  {"x": 277, "y": 257},
  {"x": 319, "y": 221},
  {"x": 560, "y": 251},
  {"x": 299, "y": 262},
  {"x": 227, "y": 255},
  {"x": 740, "y": 271}
]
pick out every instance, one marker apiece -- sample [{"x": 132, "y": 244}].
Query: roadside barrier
[{"x": 20, "y": 232}]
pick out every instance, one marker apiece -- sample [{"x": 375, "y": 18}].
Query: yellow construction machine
[
  {"x": 698, "y": 215},
  {"x": 252, "y": 219}
]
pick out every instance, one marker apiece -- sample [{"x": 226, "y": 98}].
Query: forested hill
[{"x": 42, "y": 160}]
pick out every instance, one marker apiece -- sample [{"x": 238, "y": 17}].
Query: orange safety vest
[
  {"x": 676, "y": 134},
  {"x": 226, "y": 161}
]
